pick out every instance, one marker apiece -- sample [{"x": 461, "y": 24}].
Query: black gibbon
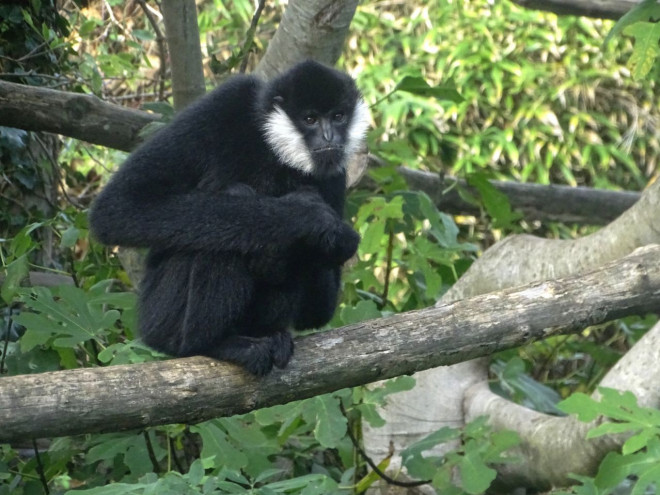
[{"x": 239, "y": 200}]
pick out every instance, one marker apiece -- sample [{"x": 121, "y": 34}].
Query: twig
[
  {"x": 40, "y": 467},
  {"x": 162, "y": 50},
  {"x": 150, "y": 449},
  {"x": 249, "y": 37},
  {"x": 388, "y": 267},
  {"x": 372, "y": 464},
  {"x": 6, "y": 344}
]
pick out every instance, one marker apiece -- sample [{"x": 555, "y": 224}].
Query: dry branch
[
  {"x": 194, "y": 389},
  {"x": 602, "y": 9},
  {"x": 583, "y": 205},
  {"x": 77, "y": 115}
]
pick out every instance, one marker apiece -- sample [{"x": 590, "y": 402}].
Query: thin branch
[
  {"x": 373, "y": 465},
  {"x": 249, "y": 37},
  {"x": 602, "y": 9},
  {"x": 40, "y": 467},
  {"x": 162, "y": 49}
]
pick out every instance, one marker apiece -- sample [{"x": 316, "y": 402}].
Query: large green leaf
[{"x": 418, "y": 86}]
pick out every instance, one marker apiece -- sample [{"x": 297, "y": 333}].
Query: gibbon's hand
[{"x": 322, "y": 229}]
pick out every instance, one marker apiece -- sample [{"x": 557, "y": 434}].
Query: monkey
[{"x": 239, "y": 201}]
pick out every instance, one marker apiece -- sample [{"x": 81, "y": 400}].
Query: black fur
[{"x": 243, "y": 246}]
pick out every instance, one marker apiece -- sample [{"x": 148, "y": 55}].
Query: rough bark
[
  {"x": 182, "y": 33},
  {"x": 190, "y": 390},
  {"x": 602, "y": 9},
  {"x": 80, "y": 116},
  {"x": 516, "y": 261},
  {"x": 313, "y": 29}
]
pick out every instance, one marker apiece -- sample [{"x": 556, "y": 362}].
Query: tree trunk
[
  {"x": 182, "y": 33},
  {"x": 313, "y": 29}
]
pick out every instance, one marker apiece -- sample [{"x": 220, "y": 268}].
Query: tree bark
[
  {"x": 182, "y": 33},
  {"x": 80, "y": 116},
  {"x": 602, "y": 9},
  {"x": 194, "y": 389},
  {"x": 581, "y": 205},
  {"x": 313, "y": 29}
]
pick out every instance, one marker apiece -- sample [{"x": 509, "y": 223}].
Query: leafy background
[{"x": 542, "y": 99}]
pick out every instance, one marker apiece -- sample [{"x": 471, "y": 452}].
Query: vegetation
[{"x": 541, "y": 100}]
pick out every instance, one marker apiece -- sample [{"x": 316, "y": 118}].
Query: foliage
[
  {"x": 479, "y": 446},
  {"x": 543, "y": 100},
  {"x": 638, "y": 24},
  {"x": 639, "y": 459},
  {"x": 537, "y": 100}
]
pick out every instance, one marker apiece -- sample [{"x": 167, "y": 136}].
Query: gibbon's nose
[{"x": 327, "y": 130}]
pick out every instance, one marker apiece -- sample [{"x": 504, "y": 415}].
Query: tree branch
[
  {"x": 194, "y": 389},
  {"x": 583, "y": 205},
  {"x": 80, "y": 116},
  {"x": 182, "y": 33},
  {"x": 309, "y": 29},
  {"x": 602, "y": 9}
]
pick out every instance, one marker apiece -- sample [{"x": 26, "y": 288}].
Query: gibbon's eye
[
  {"x": 310, "y": 120},
  {"x": 339, "y": 117}
]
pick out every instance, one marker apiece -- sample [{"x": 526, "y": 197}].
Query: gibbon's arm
[
  {"x": 151, "y": 202},
  {"x": 195, "y": 220},
  {"x": 168, "y": 193}
]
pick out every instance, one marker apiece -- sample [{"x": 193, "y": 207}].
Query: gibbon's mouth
[{"x": 323, "y": 149}]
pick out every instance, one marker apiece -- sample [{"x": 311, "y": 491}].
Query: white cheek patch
[
  {"x": 287, "y": 142},
  {"x": 357, "y": 129}
]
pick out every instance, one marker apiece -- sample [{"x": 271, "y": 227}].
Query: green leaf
[
  {"x": 418, "y": 86},
  {"x": 330, "y": 422},
  {"x": 582, "y": 405},
  {"x": 639, "y": 441},
  {"x": 363, "y": 310},
  {"x": 15, "y": 272},
  {"x": 444, "y": 434},
  {"x": 476, "y": 477},
  {"x": 196, "y": 472},
  {"x": 70, "y": 237},
  {"x": 643, "y": 11},
  {"x": 645, "y": 51},
  {"x": 143, "y": 34},
  {"x": 108, "y": 446},
  {"x": 495, "y": 202},
  {"x": 217, "y": 449}
]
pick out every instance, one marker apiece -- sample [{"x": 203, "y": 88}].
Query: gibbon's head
[{"x": 315, "y": 118}]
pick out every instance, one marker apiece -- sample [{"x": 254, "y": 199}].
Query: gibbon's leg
[
  {"x": 219, "y": 291},
  {"x": 319, "y": 298},
  {"x": 257, "y": 354}
]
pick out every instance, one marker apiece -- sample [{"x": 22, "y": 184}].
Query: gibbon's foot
[
  {"x": 255, "y": 354},
  {"x": 281, "y": 348}
]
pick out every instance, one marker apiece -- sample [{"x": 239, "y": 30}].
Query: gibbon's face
[{"x": 316, "y": 119}]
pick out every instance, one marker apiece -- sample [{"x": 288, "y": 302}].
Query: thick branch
[
  {"x": 603, "y": 9},
  {"x": 195, "y": 389},
  {"x": 309, "y": 29},
  {"x": 77, "y": 115},
  {"x": 567, "y": 204}
]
